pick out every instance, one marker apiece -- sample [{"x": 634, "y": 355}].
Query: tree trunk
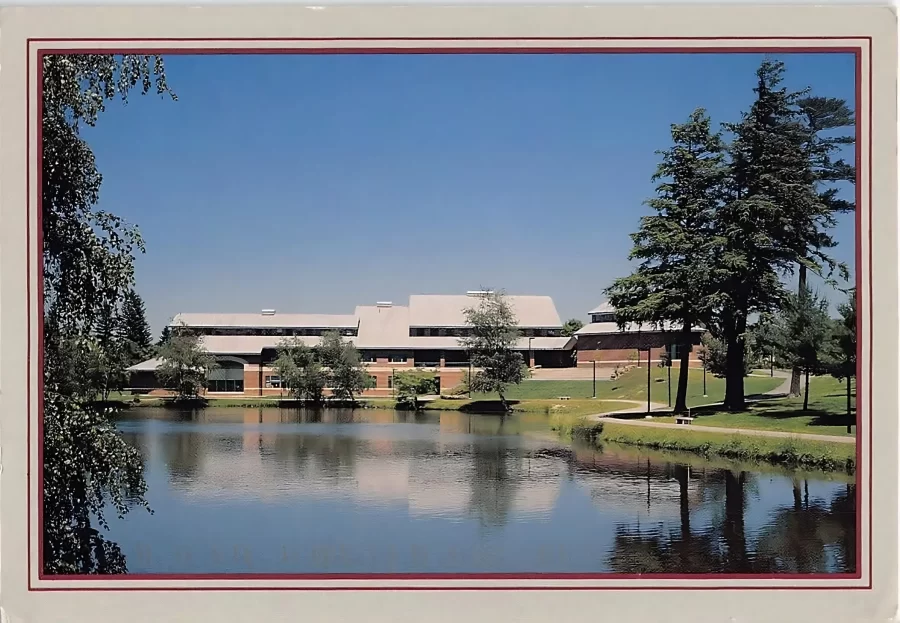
[
  {"x": 734, "y": 375},
  {"x": 849, "y": 406},
  {"x": 806, "y": 391},
  {"x": 796, "y": 371},
  {"x": 503, "y": 402},
  {"x": 733, "y": 530},
  {"x": 681, "y": 396}
]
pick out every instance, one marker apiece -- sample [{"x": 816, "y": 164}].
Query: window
[
  {"x": 373, "y": 380},
  {"x": 676, "y": 350},
  {"x": 397, "y": 358},
  {"x": 273, "y": 381},
  {"x": 390, "y": 382},
  {"x": 228, "y": 377},
  {"x": 603, "y": 317},
  {"x": 369, "y": 357}
]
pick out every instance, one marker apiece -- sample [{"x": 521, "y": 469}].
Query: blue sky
[{"x": 316, "y": 183}]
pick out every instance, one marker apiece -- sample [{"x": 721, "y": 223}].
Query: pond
[{"x": 378, "y": 491}]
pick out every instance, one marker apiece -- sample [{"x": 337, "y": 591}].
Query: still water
[{"x": 372, "y": 491}]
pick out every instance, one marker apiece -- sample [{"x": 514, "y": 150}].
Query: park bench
[{"x": 683, "y": 419}]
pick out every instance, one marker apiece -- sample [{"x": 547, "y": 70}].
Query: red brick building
[
  {"x": 425, "y": 334},
  {"x": 603, "y": 341}
]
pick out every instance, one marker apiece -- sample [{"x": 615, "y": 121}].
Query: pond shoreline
[{"x": 788, "y": 451}]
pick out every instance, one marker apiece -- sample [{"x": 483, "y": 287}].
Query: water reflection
[{"x": 387, "y": 491}]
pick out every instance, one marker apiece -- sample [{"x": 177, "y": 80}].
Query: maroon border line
[{"x": 782, "y": 579}]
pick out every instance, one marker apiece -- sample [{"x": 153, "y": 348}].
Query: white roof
[
  {"x": 599, "y": 328},
  {"x": 452, "y": 343},
  {"x": 306, "y": 321},
  {"x": 603, "y": 308},
  {"x": 447, "y": 310},
  {"x": 145, "y": 366},
  {"x": 382, "y": 327},
  {"x": 249, "y": 344}
]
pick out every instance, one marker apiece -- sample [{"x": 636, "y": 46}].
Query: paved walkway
[
  {"x": 779, "y": 392},
  {"x": 738, "y": 431}
]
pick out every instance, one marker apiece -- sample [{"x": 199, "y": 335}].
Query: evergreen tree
[
  {"x": 134, "y": 329},
  {"x": 843, "y": 353},
  {"x": 164, "y": 335},
  {"x": 675, "y": 245},
  {"x": 772, "y": 221},
  {"x": 571, "y": 327},
  {"x": 802, "y": 331},
  {"x": 823, "y": 115}
]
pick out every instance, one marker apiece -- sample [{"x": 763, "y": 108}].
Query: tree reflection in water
[{"x": 802, "y": 537}]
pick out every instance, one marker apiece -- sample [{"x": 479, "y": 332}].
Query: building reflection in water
[{"x": 653, "y": 513}]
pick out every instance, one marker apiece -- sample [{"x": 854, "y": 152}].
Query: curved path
[{"x": 779, "y": 392}]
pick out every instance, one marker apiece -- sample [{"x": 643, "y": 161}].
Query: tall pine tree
[
  {"x": 674, "y": 245},
  {"x": 773, "y": 220},
  {"x": 134, "y": 328},
  {"x": 824, "y": 115}
]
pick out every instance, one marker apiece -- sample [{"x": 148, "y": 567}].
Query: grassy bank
[
  {"x": 633, "y": 386},
  {"x": 792, "y": 452},
  {"x": 826, "y": 414}
]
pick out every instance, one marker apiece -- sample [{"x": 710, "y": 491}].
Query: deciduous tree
[
  {"x": 346, "y": 373},
  {"x": 411, "y": 384},
  {"x": 301, "y": 371},
  {"x": 491, "y": 345},
  {"x": 185, "y": 364},
  {"x": 88, "y": 259}
]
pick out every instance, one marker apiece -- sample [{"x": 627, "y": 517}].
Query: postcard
[{"x": 414, "y": 313}]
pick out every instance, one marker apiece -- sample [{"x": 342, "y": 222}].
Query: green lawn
[
  {"x": 633, "y": 386},
  {"x": 803, "y": 453},
  {"x": 826, "y": 414}
]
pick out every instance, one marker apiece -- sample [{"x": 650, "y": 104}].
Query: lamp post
[
  {"x": 595, "y": 378},
  {"x": 648, "y": 380},
  {"x": 704, "y": 377},
  {"x": 530, "y": 354},
  {"x": 469, "y": 384}
]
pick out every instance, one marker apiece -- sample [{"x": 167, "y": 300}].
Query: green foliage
[
  {"x": 300, "y": 371},
  {"x": 842, "y": 355},
  {"x": 491, "y": 343},
  {"x": 801, "y": 331},
  {"x": 184, "y": 364},
  {"x": 713, "y": 354},
  {"x": 347, "y": 375},
  {"x": 134, "y": 330},
  {"x": 571, "y": 327},
  {"x": 88, "y": 266},
  {"x": 411, "y": 384},
  {"x": 164, "y": 336}
]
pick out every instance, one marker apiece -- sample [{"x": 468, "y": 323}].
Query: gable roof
[
  {"x": 308, "y": 321},
  {"x": 448, "y": 310}
]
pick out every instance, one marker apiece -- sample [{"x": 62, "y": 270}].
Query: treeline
[
  {"x": 736, "y": 211},
  {"x": 98, "y": 357}
]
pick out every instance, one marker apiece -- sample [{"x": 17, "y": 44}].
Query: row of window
[
  {"x": 464, "y": 332},
  {"x": 274, "y": 332},
  {"x": 604, "y": 317},
  {"x": 274, "y": 382}
]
